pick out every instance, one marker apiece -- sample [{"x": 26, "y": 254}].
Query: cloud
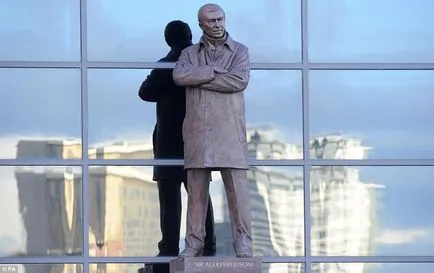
[
  {"x": 8, "y": 147},
  {"x": 401, "y": 236},
  {"x": 131, "y": 136}
]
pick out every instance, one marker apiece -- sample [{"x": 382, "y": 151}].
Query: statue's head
[
  {"x": 177, "y": 32},
  {"x": 212, "y": 20}
]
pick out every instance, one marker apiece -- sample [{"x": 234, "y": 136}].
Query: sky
[{"x": 391, "y": 111}]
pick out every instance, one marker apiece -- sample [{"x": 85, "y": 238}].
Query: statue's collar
[{"x": 226, "y": 40}]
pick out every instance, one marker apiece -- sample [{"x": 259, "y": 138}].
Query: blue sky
[
  {"x": 390, "y": 111},
  {"x": 371, "y": 31}
]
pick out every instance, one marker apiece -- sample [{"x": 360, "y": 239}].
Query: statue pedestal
[{"x": 216, "y": 265}]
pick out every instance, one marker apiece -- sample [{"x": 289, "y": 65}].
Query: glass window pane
[
  {"x": 373, "y": 114},
  {"x": 283, "y": 267},
  {"x": 114, "y": 268},
  {"x": 123, "y": 211},
  {"x": 41, "y": 108},
  {"x": 135, "y": 31},
  {"x": 373, "y": 267},
  {"x": 273, "y": 114},
  {"x": 118, "y": 115},
  {"x": 277, "y": 212},
  {"x": 39, "y": 30},
  {"x": 372, "y": 211},
  {"x": 371, "y": 31},
  {"x": 40, "y": 211}
]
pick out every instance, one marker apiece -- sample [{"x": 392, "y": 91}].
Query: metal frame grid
[{"x": 305, "y": 66}]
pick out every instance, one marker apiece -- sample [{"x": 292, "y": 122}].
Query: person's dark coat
[{"x": 167, "y": 139}]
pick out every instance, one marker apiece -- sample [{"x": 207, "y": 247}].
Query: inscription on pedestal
[{"x": 215, "y": 264}]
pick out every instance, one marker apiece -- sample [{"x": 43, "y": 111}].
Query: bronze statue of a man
[{"x": 215, "y": 72}]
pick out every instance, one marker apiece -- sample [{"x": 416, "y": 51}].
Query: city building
[
  {"x": 343, "y": 214},
  {"x": 123, "y": 209}
]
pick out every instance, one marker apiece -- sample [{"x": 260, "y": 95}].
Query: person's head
[
  {"x": 212, "y": 20},
  {"x": 177, "y": 33}
]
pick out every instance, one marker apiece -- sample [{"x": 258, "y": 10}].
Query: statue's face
[{"x": 213, "y": 23}]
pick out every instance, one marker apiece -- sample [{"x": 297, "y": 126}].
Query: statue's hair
[{"x": 207, "y": 7}]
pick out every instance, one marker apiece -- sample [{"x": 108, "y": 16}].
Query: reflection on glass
[
  {"x": 123, "y": 212},
  {"x": 277, "y": 212},
  {"x": 40, "y": 30},
  {"x": 126, "y": 30},
  {"x": 390, "y": 112},
  {"x": 372, "y": 267},
  {"x": 366, "y": 211},
  {"x": 371, "y": 31},
  {"x": 42, "y": 268},
  {"x": 114, "y": 268},
  {"x": 274, "y": 115},
  {"x": 273, "y": 133},
  {"x": 118, "y": 119},
  {"x": 41, "y": 108},
  {"x": 282, "y": 268},
  {"x": 40, "y": 210}
]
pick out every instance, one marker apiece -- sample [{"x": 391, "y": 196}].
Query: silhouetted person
[{"x": 168, "y": 143}]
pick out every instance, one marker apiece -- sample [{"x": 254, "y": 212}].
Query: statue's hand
[{"x": 220, "y": 70}]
